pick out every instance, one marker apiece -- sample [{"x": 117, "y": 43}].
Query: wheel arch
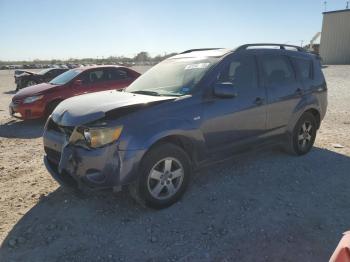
[
  {"x": 316, "y": 114},
  {"x": 185, "y": 143},
  {"x": 308, "y": 109}
]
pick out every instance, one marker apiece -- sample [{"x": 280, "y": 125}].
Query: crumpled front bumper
[{"x": 76, "y": 166}]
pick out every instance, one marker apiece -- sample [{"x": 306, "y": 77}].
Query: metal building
[{"x": 335, "y": 37}]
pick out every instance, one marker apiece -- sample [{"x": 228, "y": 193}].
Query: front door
[{"x": 229, "y": 121}]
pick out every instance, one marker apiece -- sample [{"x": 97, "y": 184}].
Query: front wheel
[
  {"x": 303, "y": 135},
  {"x": 165, "y": 172}
]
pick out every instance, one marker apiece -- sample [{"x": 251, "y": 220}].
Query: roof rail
[
  {"x": 199, "y": 49},
  {"x": 281, "y": 46}
]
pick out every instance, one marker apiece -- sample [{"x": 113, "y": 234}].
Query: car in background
[
  {"x": 24, "y": 78},
  {"x": 40, "y": 100}
]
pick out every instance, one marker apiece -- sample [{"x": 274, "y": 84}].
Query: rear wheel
[
  {"x": 304, "y": 135},
  {"x": 165, "y": 172}
]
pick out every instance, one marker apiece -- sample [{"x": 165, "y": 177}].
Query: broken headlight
[{"x": 97, "y": 137}]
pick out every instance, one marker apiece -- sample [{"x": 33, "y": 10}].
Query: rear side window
[
  {"x": 277, "y": 70},
  {"x": 305, "y": 68},
  {"x": 241, "y": 72}
]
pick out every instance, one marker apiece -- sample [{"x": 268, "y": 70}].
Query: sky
[{"x": 45, "y": 29}]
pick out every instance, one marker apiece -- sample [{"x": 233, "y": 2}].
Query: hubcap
[
  {"x": 165, "y": 178},
  {"x": 305, "y": 135}
]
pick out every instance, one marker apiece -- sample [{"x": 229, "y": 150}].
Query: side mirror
[
  {"x": 78, "y": 82},
  {"x": 225, "y": 90}
]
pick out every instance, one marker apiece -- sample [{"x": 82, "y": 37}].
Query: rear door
[
  {"x": 118, "y": 78},
  {"x": 284, "y": 92}
]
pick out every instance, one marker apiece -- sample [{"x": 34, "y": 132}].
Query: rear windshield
[{"x": 65, "y": 77}]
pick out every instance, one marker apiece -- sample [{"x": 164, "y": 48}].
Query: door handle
[
  {"x": 259, "y": 101},
  {"x": 299, "y": 91}
]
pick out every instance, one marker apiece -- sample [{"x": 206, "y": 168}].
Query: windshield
[
  {"x": 65, "y": 77},
  {"x": 173, "y": 77}
]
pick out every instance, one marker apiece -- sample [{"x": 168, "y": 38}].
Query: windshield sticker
[{"x": 196, "y": 66}]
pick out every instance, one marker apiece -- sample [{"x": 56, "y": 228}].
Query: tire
[
  {"x": 303, "y": 136},
  {"x": 164, "y": 175},
  {"x": 51, "y": 107}
]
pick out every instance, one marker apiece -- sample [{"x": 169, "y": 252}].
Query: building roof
[{"x": 336, "y": 11}]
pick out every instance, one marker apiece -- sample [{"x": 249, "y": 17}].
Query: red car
[{"x": 40, "y": 100}]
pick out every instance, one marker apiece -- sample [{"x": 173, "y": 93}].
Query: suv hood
[
  {"x": 33, "y": 90},
  {"x": 87, "y": 108}
]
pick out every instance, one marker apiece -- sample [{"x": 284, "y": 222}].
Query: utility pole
[
  {"x": 325, "y": 6},
  {"x": 347, "y": 4}
]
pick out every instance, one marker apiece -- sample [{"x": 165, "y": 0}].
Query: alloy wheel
[
  {"x": 165, "y": 178},
  {"x": 305, "y": 135}
]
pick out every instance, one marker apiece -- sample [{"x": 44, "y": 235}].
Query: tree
[{"x": 142, "y": 57}]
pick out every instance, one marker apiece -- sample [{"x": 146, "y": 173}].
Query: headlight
[
  {"x": 32, "y": 99},
  {"x": 97, "y": 137}
]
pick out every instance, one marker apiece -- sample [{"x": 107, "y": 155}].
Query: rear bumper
[{"x": 83, "y": 168}]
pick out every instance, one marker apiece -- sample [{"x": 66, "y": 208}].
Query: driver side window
[
  {"x": 93, "y": 76},
  {"x": 241, "y": 72}
]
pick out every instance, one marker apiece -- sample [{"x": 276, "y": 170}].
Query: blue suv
[{"x": 197, "y": 107}]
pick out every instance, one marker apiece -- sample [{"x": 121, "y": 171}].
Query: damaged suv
[{"x": 194, "y": 108}]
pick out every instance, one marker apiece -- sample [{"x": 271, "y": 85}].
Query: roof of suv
[
  {"x": 205, "y": 52},
  {"x": 219, "y": 52}
]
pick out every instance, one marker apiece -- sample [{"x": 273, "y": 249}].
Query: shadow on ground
[
  {"x": 22, "y": 129},
  {"x": 11, "y": 92},
  {"x": 265, "y": 206}
]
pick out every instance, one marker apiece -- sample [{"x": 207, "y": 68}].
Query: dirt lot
[{"x": 264, "y": 206}]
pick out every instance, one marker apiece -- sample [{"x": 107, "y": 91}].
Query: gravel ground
[{"x": 261, "y": 206}]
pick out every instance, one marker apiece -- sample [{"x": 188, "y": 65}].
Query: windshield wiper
[{"x": 146, "y": 92}]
